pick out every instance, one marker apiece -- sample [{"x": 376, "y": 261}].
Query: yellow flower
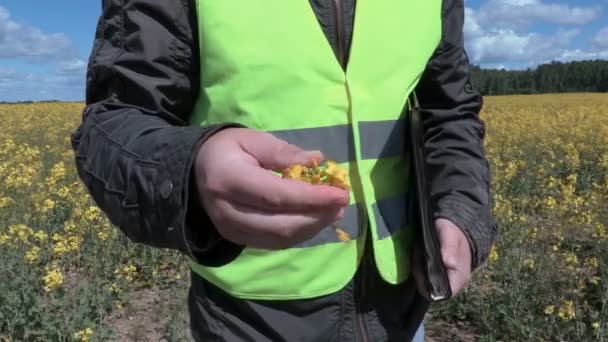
[
  {"x": 493, "y": 256},
  {"x": 550, "y": 202},
  {"x": 92, "y": 214},
  {"x": 63, "y": 192},
  {"x": 114, "y": 288},
  {"x": 69, "y": 226},
  {"x": 566, "y": 310},
  {"x": 32, "y": 256},
  {"x": 47, "y": 205},
  {"x": 103, "y": 235},
  {"x": 571, "y": 259},
  {"x": 21, "y": 232},
  {"x": 591, "y": 262},
  {"x": 4, "y": 239},
  {"x": 41, "y": 236},
  {"x": 60, "y": 249},
  {"x": 327, "y": 173},
  {"x": 6, "y": 202},
  {"x": 128, "y": 272},
  {"x": 529, "y": 264},
  {"x": 595, "y": 325},
  {"x": 594, "y": 280},
  {"x": 53, "y": 279},
  {"x": 84, "y": 335},
  {"x": 550, "y": 309}
]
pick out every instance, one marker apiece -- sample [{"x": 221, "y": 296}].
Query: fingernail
[{"x": 310, "y": 157}]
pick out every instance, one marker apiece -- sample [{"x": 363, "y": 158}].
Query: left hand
[{"x": 456, "y": 254}]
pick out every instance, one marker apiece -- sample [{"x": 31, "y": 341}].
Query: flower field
[{"x": 69, "y": 275}]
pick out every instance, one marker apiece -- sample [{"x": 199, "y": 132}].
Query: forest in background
[{"x": 554, "y": 77}]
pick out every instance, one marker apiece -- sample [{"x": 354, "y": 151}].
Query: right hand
[{"x": 251, "y": 206}]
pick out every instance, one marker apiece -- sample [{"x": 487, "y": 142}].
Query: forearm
[
  {"x": 454, "y": 133},
  {"x": 135, "y": 149}
]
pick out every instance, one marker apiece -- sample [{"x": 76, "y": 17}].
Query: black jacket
[{"x": 135, "y": 151}]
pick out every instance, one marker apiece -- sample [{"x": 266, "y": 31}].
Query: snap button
[{"x": 166, "y": 188}]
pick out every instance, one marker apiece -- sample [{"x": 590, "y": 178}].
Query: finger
[
  {"x": 276, "y": 154},
  {"x": 257, "y": 187},
  {"x": 261, "y": 229}
]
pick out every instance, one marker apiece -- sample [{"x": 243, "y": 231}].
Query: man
[{"x": 190, "y": 104}]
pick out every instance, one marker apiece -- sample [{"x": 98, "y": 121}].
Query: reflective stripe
[
  {"x": 350, "y": 224},
  {"x": 393, "y": 214},
  {"x": 336, "y": 142},
  {"x": 378, "y": 139},
  {"x": 381, "y": 139}
]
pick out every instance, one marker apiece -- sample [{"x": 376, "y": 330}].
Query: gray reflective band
[
  {"x": 336, "y": 142},
  {"x": 378, "y": 139},
  {"x": 393, "y": 214},
  {"x": 350, "y": 224},
  {"x": 382, "y": 139}
]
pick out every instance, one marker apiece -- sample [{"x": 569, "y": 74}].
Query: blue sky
[{"x": 44, "y": 45}]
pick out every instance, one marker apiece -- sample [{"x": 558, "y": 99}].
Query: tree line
[{"x": 554, "y": 77}]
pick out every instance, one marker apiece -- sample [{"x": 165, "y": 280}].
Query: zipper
[
  {"x": 361, "y": 333},
  {"x": 361, "y": 325},
  {"x": 340, "y": 35}
]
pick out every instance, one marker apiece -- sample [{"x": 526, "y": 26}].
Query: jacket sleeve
[
  {"x": 454, "y": 133},
  {"x": 134, "y": 149}
]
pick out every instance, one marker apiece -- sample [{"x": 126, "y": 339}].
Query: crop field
[{"x": 66, "y": 274}]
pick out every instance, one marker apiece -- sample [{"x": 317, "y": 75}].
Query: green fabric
[{"x": 267, "y": 64}]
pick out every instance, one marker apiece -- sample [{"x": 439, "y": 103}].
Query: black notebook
[{"x": 436, "y": 278}]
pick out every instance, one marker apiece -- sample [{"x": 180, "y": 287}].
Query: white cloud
[
  {"x": 498, "y": 33},
  {"x": 601, "y": 38},
  {"x": 7, "y": 75},
  {"x": 574, "y": 55},
  {"x": 520, "y": 14},
  {"x": 22, "y": 86},
  {"x": 62, "y": 78},
  {"x": 23, "y": 41},
  {"x": 73, "y": 67}
]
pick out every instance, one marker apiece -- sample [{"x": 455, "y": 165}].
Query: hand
[
  {"x": 456, "y": 255},
  {"x": 251, "y": 206}
]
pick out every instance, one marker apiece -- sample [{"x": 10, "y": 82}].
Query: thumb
[{"x": 276, "y": 154}]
